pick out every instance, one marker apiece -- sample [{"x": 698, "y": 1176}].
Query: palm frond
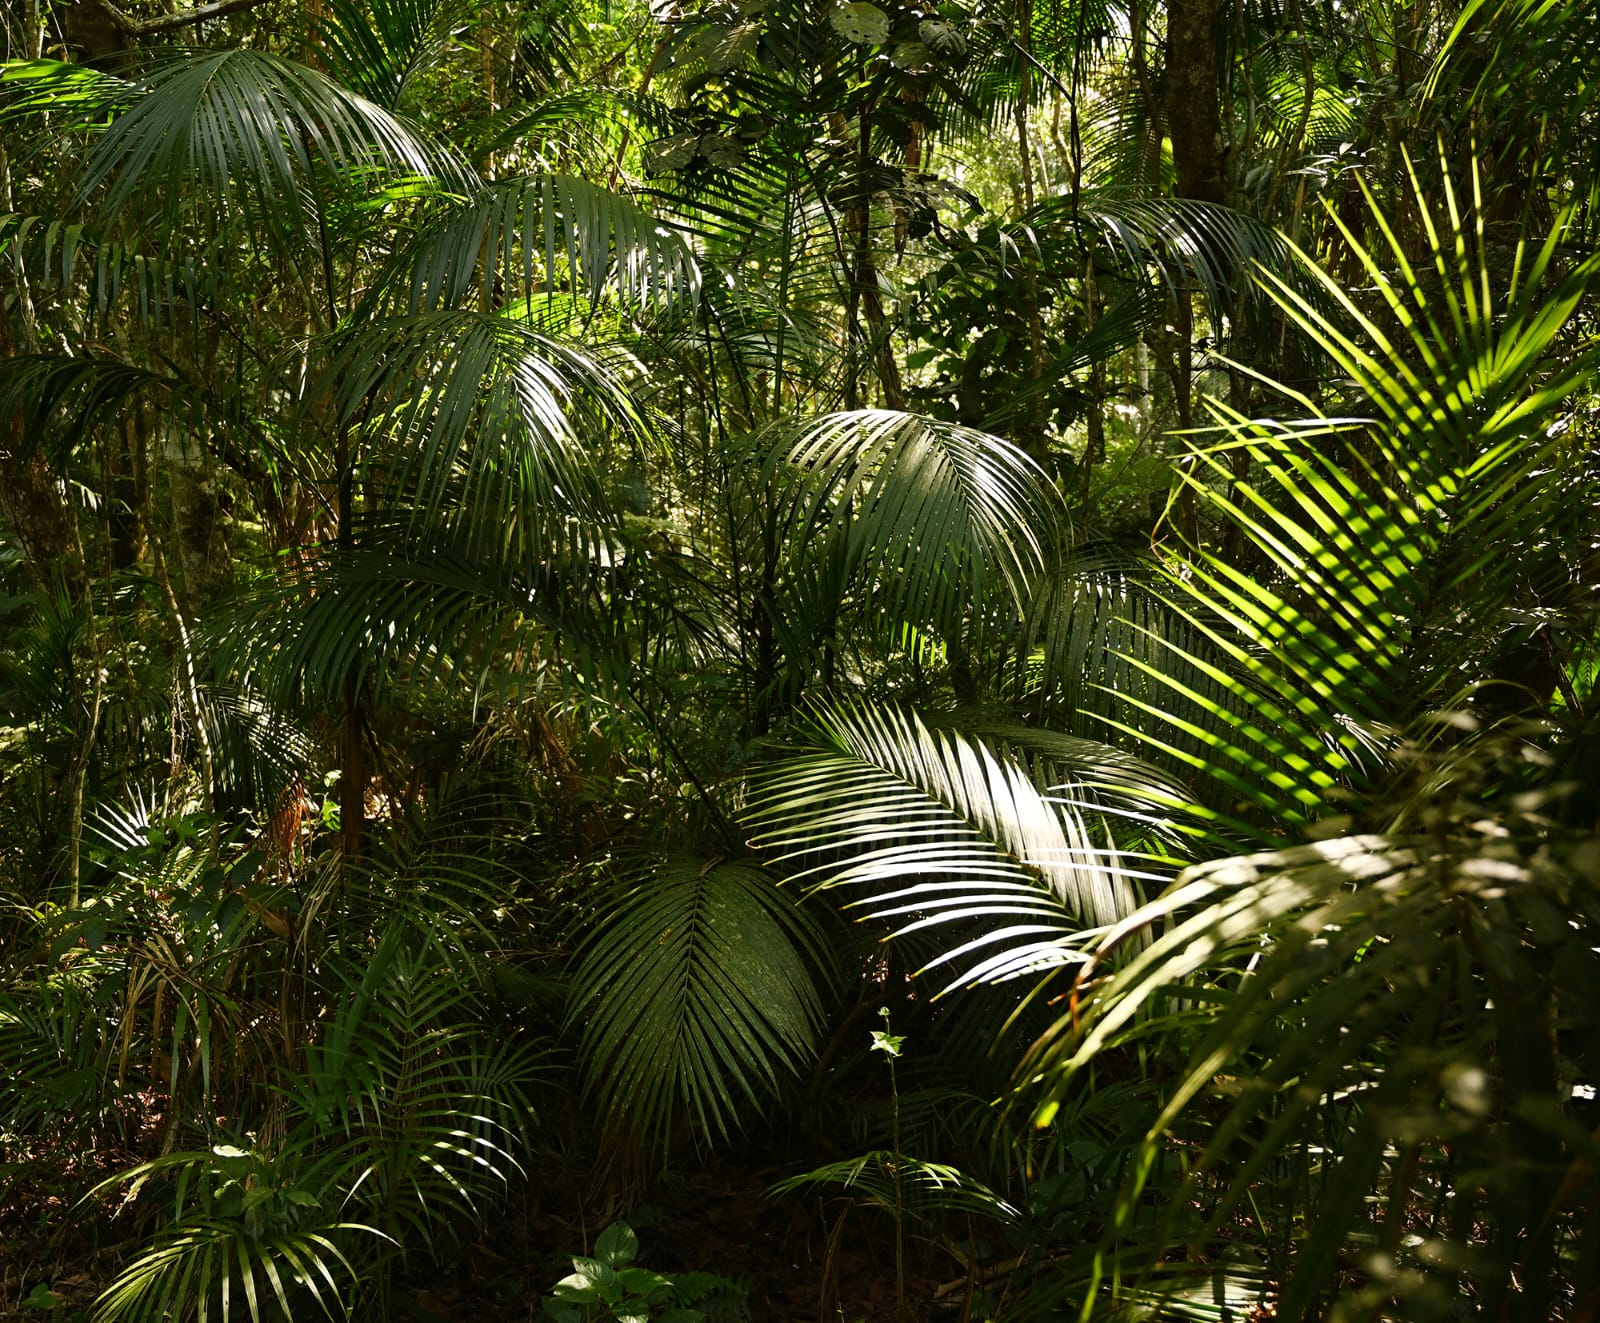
[
  {"x": 924, "y": 518},
  {"x": 472, "y": 407},
  {"x": 77, "y": 394},
  {"x": 259, "y": 752},
  {"x": 1524, "y": 67},
  {"x": 416, "y": 1112},
  {"x": 242, "y": 128},
  {"x": 207, "y": 1266},
  {"x": 535, "y": 235},
  {"x": 447, "y": 604},
  {"x": 902, "y": 1185},
  {"x": 62, "y": 1079},
  {"x": 571, "y": 119},
  {"x": 937, "y": 828},
  {"x": 74, "y": 92},
  {"x": 1212, "y": 249},
  {"x": 1393, "y": 552},
  {"x": 104, "y": 278},
  {"x": 42, "y": 249},
  {"x": 1113, "y": 788},
  {"x": 697, "y": 992},
  {"x": 1348, "y": 980},
  {"x": 382, "y": 47}
]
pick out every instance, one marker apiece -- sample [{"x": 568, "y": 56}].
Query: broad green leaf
[{"x": 861, "y": 22}]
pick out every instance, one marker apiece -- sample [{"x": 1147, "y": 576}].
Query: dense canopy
[{"x": 856, "y": 660}]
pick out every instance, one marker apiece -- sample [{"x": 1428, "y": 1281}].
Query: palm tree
[{"x": 1388, "y": 678}]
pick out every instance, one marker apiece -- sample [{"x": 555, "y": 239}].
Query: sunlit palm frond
[
  {"x": 1395, "y": 556},
  {"x": 1116, "y": 792},
  {"x": 215, "y": 1267},
  {"x": 518, "y": 238},
  {"x": 1525, "y": 67},
  {"x": 1202, "y": 246},
  {"x": 246, "y": 129},
  {"x": 471, "y": 406},
  {"x": 936, "y": 827},
  {"x": 1367, "y": 983},
  {"x": 923, "y": 518},
  {"x": 905, "y": 1186}
]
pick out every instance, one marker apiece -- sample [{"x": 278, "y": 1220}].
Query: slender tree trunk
[
  {"x": 1030, "y": 429},
  {"x": 1194, "y": 115},
  {"x": 352, "y": 740},
  {"x": 1194, "y": 123},
  {"x": 30, "y": 500}
]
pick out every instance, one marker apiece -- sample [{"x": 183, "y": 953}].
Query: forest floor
[{"x": 800, "y": 1258}]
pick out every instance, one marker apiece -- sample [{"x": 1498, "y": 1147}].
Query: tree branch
[{"x": 146, "y": 27}]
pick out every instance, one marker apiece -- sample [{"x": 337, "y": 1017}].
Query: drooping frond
[
  {"x": 1211, "y": 249},
  {"x": 697, "y": 992},
  {"x": 420, "y": 1110},
  {"x": 200, "y": 1264},
  {"x": 241, "y": 128},
  {"x": 441, "y": 609},
  {"x": 471, "y": 398},
  {"x": 518, "y": 238},
  {"x": 936, "y": 827},
  {"x": 923, "y": 518},
  {"x": 906, "y": 1186},
  {"x": 106, "y": 278},
  {"x": 65, "y": 397},
  {"x": 1379, "y": 983},
  {"x": 382, "y": 47}
]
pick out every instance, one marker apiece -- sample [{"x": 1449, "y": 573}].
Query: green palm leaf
[
  {"x": 80, "y": 393},
  {"x": 108, "y": 279},
  {"x": 418, "y": 1111},
  {"x": 1188, "y": 244},
  {"x": 938, "y": 828},
  {"x": 536, "y": 234},
  {"x": 246, "y": 129},
  {"x": 1381, "y": 988},
  {"x": 923, "y": 518},
  {"x": 697, "y": 992},
  {"x": 470, "y": 407},
  {"x": 922, "y": 1191},
  {"x": 1394, "y": 557},
  {"x": 383, "y": 47},
  {"x": 214, "y": 1267},
  {"x": 1525, "y": 67}
]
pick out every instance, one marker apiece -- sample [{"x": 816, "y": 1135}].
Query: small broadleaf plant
[{"x": 608, "y": 1288}]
